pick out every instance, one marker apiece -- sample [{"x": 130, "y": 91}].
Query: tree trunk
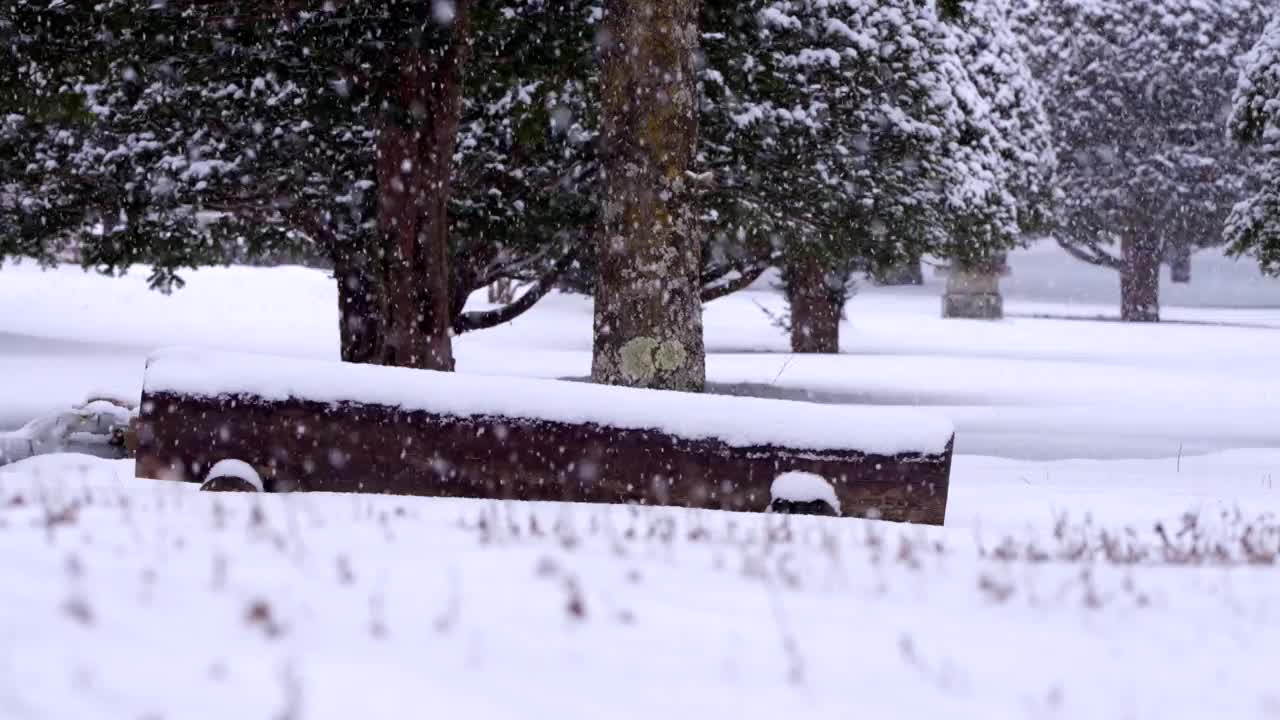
[
  {"x": 415, "y": 148},
  {"x": 1180, "y": 262},
  {"x": 360, "y": 311},
  {"x": 648, "y": 311},
  {"x": 973, "y": 290},
  {"x": 1140, "y": 278},
  {"x": 815, "y": 307}
]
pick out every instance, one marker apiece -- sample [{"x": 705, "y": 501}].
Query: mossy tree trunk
[{"x": 648, "y": 311}]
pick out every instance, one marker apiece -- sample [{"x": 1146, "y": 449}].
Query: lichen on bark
[
  {"x": 643, "y": 358},
  {"x": 648, "y": 309},
  {"x": 636, "y": 359}
]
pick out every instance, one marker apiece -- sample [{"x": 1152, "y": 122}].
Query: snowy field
[
  {"x": 144, "y": 599},
  {"x": 1110, "y": 549}
]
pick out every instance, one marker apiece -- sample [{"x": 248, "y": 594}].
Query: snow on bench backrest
[{"x": 735, "y": 421}]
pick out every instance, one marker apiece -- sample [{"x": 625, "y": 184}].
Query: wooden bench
[{"x": 328, "y": 426}]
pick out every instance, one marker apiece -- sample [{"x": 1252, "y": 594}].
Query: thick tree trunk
[
  {"x": 360, "y": 311},
  {"x": 648, "y": 311},
  {"x": 973, "y": 290},
  {"x": 1140, "y": 278},
  {"x": 815, "y": 307},
  {"x": 415, "y": 148}
]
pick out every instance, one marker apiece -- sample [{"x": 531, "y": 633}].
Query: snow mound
[
  {"x": 735, "y": 421},
  {"x": 238, "y": 469},
  {"x": 803, "y": 487},
  {"x": 92, "y": 424}
]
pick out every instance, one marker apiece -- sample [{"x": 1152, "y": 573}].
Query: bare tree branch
[
  {"x": 1094, "y": 256},
  {"x": 745, "y": 278},
  {"x": 499, "y": 269},
  {"x": 480, "y": 320}
]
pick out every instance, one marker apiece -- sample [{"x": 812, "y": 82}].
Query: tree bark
[
  {"x": 1140, "y": 278},
  {"x": 648, "y": 311},
  {"x": 815, "y": 307},
  {"x": 360, "y": 311},
  {"x": 415, "y": 149}
]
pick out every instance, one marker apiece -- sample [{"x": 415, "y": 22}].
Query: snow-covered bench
[{"x": 312, "y": 425}]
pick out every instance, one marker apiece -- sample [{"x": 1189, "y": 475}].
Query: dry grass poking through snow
[{"x": 181, "y": 604}]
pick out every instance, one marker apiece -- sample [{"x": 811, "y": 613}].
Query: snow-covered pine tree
[
  {"x": 206, "y": 134},
  {"x": 741, "y": 198},
  {"x": 28, "y": 209},
  {"x": 83, "y": 171},
  {"x": 844, "y": 129},
  {"x": 526, "y": 171},
  {"x": 1137, "y": 95},
  {"x": 1005, "y": 154},
  {"x": 200, "y": 133},
  {"x": 517, "y": 194},
  {"x": 1253, "y": 227}
]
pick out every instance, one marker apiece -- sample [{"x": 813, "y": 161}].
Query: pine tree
[
  {"x": 527, "y": 171},
  {"x": 97, "y": 161},
  {"x": 858, "y": 134},
  {"x": 242, "y": 129},
  {"x": 1007, "y": 149},
  {"x": 1137, "y": 95},
  {"x": 1253, "y": 227}
]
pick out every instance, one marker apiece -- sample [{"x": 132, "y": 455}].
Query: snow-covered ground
[
  {"x": 1109, "y": 550},
  {"x": 128, "y": 599},
  {"x": 1033, "y": 386}
]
